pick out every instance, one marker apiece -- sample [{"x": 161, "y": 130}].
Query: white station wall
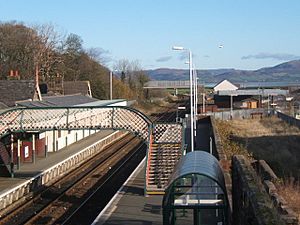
[
  {"x": 56, "y": 140},
  {"x": 55, "y": 143}
]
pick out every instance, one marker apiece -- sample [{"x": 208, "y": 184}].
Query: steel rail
[
  {"x": 127, "y": 160},
  {"x": 78, "y": 191},
  {"x": 36, "y": 203}
]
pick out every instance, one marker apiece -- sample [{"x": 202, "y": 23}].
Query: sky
[{"x": 253, "y": 33}]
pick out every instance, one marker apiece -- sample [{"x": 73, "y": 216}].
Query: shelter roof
[
  {"x": 103, "y": 102},
  {"x": 59, "y": 101},
  {"x": 67, "y": 101},
  {"x": 199, "y": 162}
]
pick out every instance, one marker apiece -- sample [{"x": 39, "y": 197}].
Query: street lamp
[
  {"x": 179, "y": 48},
  {"x": 195, "y": 99},
  {"x": 195, "y": 96}
]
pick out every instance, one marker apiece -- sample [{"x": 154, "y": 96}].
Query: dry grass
[
  {"x": 272, "y": 140},
  {"x": 291, "y": 194},
  {"x": 230, "y": 147},
  {"x": 269, "y": 139},
  {"x": 264, "y": 127},
  {"x": 151, "y": 107}
]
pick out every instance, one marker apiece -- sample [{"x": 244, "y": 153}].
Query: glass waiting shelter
[{"x": 196, "y": 192}]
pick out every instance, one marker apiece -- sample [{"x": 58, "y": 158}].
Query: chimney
[{"x": 17, "y": 74}]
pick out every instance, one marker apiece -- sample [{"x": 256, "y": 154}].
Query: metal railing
[{"x": 238, "y": 114}]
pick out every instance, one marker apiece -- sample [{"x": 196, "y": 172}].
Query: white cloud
[
  {"x": 164, "y": 59},
  {"x": 276, "y": 56}
]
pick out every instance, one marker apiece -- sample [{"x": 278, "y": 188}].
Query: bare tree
[
  {"x": 132, "y": 73},
  {"x": 46, "y": 56},
  {"x": 123, "y": 66},
  {"x": 99, "y": 55},
  {"x": 23, "y": 48}
]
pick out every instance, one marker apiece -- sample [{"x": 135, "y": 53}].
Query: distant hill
[{"x": 285, "y": 72}]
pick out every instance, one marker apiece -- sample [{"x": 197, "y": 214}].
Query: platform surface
[
  {"x": 130, "y": 206},
  {"x": 29, "y": 170}
]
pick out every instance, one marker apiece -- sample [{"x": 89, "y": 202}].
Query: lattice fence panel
[
  {"x": 42, "y": 119},
  {"x": 130, "y": 121},
  {"x": 168, "y": 133},
  {"x": 8, "y": 120},
  {"x": 74, "y": 118},
  {"x": 90, "y": 118}
]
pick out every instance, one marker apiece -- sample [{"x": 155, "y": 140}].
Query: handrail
[
  {"x": 149, "y": 158},
  {"x": 15, "y": 119}
]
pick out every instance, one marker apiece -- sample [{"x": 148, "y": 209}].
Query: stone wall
[
  {"x": 251, "y": 203},
  {"x": 225, "y": 163},
  {"x": 268, "y": 178},
  {"x": 238, "y": 114},
  {"x": 255, "y": 200}
]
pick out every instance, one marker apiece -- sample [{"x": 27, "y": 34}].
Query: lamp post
[
  {"x": 231, "y": 106},
  {"x": 195, "y": 99},
  {"x": 203, "y": 103},
  {"x": 179, "y": 48}
]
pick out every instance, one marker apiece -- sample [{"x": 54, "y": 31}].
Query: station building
[{"x": 24, "y": 93}]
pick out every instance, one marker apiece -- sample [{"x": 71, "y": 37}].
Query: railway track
[
  {"x": 93, "y": 206},
  {"x": 74, "y": 199},
  {"x": 170, "y": 114},
  {"x": 64, "y": 196}
]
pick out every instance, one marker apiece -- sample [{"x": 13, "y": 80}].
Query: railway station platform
[
  {"x": 30, "y": 176},
  {"x": 130, "y": 206},
  {"x": 206, "y": 202}
]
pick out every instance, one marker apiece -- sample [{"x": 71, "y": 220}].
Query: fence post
[
  {"x": 19, "y": 153},
  {"x": 33, "y": 148},
  {"x": 12, "y": 155}
]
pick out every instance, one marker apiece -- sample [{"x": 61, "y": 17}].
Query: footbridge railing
[
  {"x": 103, "y": 117},
  {"x": 74, "y": 118}
]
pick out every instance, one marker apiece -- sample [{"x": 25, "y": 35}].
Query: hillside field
[{"x": 272, "y": 140}]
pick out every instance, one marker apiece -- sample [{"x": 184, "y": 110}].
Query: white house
[{"x": 225, "y": 85}]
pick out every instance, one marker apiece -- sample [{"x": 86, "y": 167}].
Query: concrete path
[
  {"x": 130, "y": 206},
  {"x": 203, "y": 135}
]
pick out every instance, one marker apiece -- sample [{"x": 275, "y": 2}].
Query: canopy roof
[{"x": 199, "y": 162}]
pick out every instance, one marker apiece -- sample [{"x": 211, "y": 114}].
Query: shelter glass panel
[
  {"x": 196, "y": 194},
  {"x": 184, "y": 217},
  {"x": 197, "y": 190}
]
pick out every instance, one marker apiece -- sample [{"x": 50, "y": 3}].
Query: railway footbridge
[{"x": 164, "y": 140}]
